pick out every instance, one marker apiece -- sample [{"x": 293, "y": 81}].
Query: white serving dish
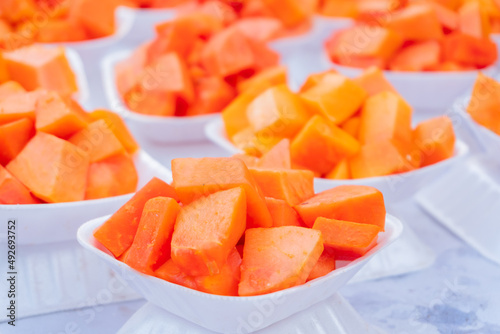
[
  {"x": 143, "y": 24},
  {"x": 224, "y": 314},
  {"x": 394, "y": 187},
  {"x": 151, "y": 128},
  {"x": 83, "y": 95}
]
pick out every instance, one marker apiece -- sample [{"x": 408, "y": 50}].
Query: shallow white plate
[
  {"x": 225, "y": 314},
  {"x": 151, "y": 128},
  {"x": 394, "y": 187}
]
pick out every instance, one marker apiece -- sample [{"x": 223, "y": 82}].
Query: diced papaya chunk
[
  {"x": 468, "y": 50},
  {"x": 10, "y": 88},
  {"x": 352, "y": 126},
  {"x": 278, "y": 258},
  {"x": 128, "y": 70},
  {"x": 19, "y": 106},
  {"x": 417, "y": 57},
  {"x": 207, "y": 230},
  {"x": 340, "y": 172},
  {"x": 292, "y": 186},
  {"x": 195, "y": 178},
  {"x": 282, "y": 213},
  {"x": 473, "y": 20},
  {"x": 446, "y": 16},
  {"x": 212, "y": 95},
  {"x": 255, "y": 144},
  {"x": 60, "y": 31},
  {"x": 314, "y": 79},
  {"x": 12, "y": 191},
  {"x": 262, "y": 29},
  {"x": 116, "y": 124},
  {"x": 325, "y": 264},
  {"x": 319, "y": 146},
  {"x": 52, "y": 169},
  {"x": 373, "y": 81},
  {"x": 276, "y": 158},
  {"x": 340, "y": 8},
  {"x": 250, "y": 161},
  {"x": 436, "y": 140},
  {"x": 151, "y": 246},
  {"x": 335, "y": 97},
  {"x": 118, "y": 232},
  {"x": 291, "y": 12},
  {"x": 272, "y": 76},
  {"x": 172, "y": 273},
  {"x": 349, "y": 240},
  {"x": 13, "y": 137},
  {"x": 416, "y": 23},
  {"x": 485, "y": 103},
  {"x": 113, "y": 176},
  {"x": 150, "y": 102},
  {"x": 360, "y": 204}
]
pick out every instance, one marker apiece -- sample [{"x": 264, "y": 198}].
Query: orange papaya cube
[
  {"x": 228, "y": 42},
  {"x": 151, "y": 246},
  {"x": 451, "y": 4},
  {"x": 117, "y": 125},
  {"x": 52, "y": 169},
  {"x": 10, "y": 88},
  {"x": 359, "y": 204},
  {"x": 226, "y": 282},
  {"x": 282, "y": 213},
  {"x": 273, "y": 76},
  {"x": 61, "y": 30},
  {"x": 352, "y": 125},
  {"x": 320, "y": 145},
  {"x": 171, "y": 272},
  {"x": 468, "y": 50},
  {"x": 473, "y": 20},
  {"x": 277, "y": 112},
  {"x": 349, "y": 240},
  {"x": 41, "y": 67},
  {"x": 113, "y": 176},
  {"x": 340, "y": 8},
  {"x": 118, "y": 232},
  {"x": 250, "y": 161},
  {"x": 198, "y": 177},
  {"x": 417, "y": 57},
  {"x": 278, "y": 258},
  {"x": 292, "y": 12},
  {"x": 98, "y": 141},
  {"x": 384, "y": 157},
  {"x": 255, "y": 8},
  {"x": 255, "y": 144},
  {"x": 416, "y": 23},
  {"x": 373, "y": 81},
  {"x": 4, "y": 73},
  {"x": 127, "y": 71},
  {"x": 485, "y": 103},
  {"x": 340, "y": 172},
  {"x": 200, "y": 247},
  {"x": 55, "y": 116},
  {"x": 13, "y": 137},
  {"x": 263, "y": 29},
  {"x": 335, "y": 97},
  {"x": 263, "y": 55},
  {"x": 220, "y": 10},
  {"x": 436, "y": 139},
  {"x": 276, "y": 158},
  {"x": 292, "y": 186},
  {"x": 213, "y": 94},
  {"x": 17, "y": 106},
  {"x": 15, "y": 11},
  {"x": 446, "y": 16},
  {"x": 385, "y": 116},
  {"x": 150, "y": 102},
  {"x": 325, "y": 264},
  {"x": 314, "y": 79},
  {"x": 12, "y": 191}
]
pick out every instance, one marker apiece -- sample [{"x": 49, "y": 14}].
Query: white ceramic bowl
[
  {"x": 143, "y": 24},
  {"x": 225, "y": 314},
  {"x": 151, "y": 128},
  {"x": 394, "y": 187}
]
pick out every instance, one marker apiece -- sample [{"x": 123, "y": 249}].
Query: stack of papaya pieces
[
  {"x": 337, "y": 127},
  {"x": 424, "y": 35},
  {"x": 225, "y": 229},
  {"x": 51, "y": 150},
  {"x": 484, "y": 105}
]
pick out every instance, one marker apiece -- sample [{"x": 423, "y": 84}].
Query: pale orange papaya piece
[
  {"x": 127, "y": 71},
  {"x": 52, "y": 169},
  {"x": 250, "y": 161},
  {"x": 340, "y": 8},
  {"x": 340, "y": 172},
  {"x": 4, "y": 73},
  {"x": 451, "y": 4},
  {"x": 13, "y": 137},
  {"x": 325, "y": 264},
  {"x": 277, "y": 113},
  {"x": 17, "y": 106},
  {"x": 385, "y": 116},
  {"x": 469, "y": 50},
  {"x": 292, "y": 186},
  {"x": 255, "y": 8},
  {"x": 273, "y": 76},
  {"x": 320, "y": 145},
  {"x": 150, "y": 102},
  {"x": 417, "y": 57},
  {"x": 373, "y": 81},
  {"x": 195, "y": 178},
  {"x": 384, "y": 157},
  {"x": 61, "y": 30},
  {"x": 40, "y": 67},
  {"x": 118, "y": 232},
  {"x": 436, "y": 140},
  {"x": 117, "y": 125},
  {"x": 220, "y": 10},
  {"x": 226, "y": 282},
  {"x": 352, "y": 125},
  {"x": 314, "y": 79},
  {"x": 292, "y": 12},
  {"x": 278, "y": 157},
  {"x": 263, "y": 55},
  {"x": 335, "y": 97},
  {"x": 213, "y": 94},
  {"x": 416, "y": 23},
  {"x": 485, "y": 103},
  {"x": 360, "y": 204},
  {"x": 17, "y": 10},
  {"x": 55, "y": 116},
  {"x": 255, "y": 144},
  {"x": 12, "y": 191},
  {"x": 282, "y": 213},
  {"x": 349, "y": 240},
  {"x": 262, "y": 29},
  {"x": 172, "y": 273},
  {"x": 473, "y": 20},
  {"x": 446, "y": 16},
  {"x": 113, "y": 176},
  {"x": 151, "y": 246},
  {"x": 200, "y": 247},
  {"x": 10, "y": 88},
  {"x": 278, "y": 258}
]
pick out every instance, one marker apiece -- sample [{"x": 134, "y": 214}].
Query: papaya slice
[
  {"x": 13, "y": 137},
  {"x": 436, "y": 140},
  {"x": 12, "y": 191},
  {"x": 282, "y": 213}
]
